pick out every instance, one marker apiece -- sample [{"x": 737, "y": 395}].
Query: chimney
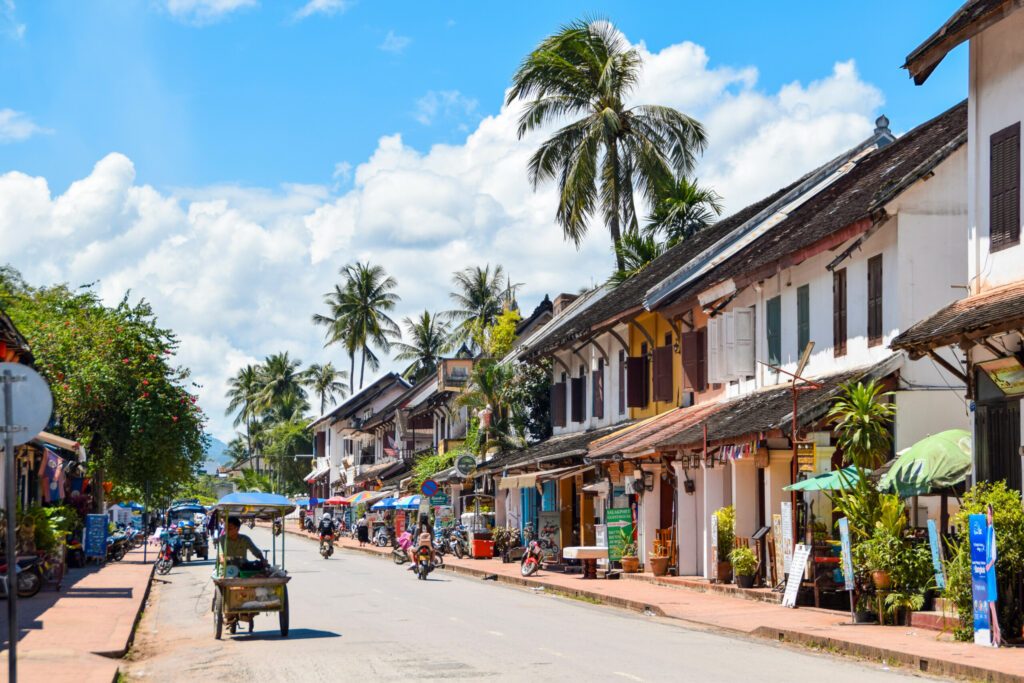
[{"x": 563, "y": 300}]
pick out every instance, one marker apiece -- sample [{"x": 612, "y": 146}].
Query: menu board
[
  {"x": 619, "y": 520},
  {"x": 787, "y": 535},
  {"x": 95, "y": 541},
  {"x": 796, "y": 574},
  {"x": 844, "y": 540}
]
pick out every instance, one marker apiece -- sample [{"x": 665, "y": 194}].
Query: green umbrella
[
  {"x": 829, "y": 481},
  {"x": 934, "y": 463}
]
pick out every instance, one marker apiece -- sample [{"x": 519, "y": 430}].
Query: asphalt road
[{"x": 356, "y": 617}]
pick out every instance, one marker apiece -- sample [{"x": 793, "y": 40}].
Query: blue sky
[{"x": 223, "y": 158}]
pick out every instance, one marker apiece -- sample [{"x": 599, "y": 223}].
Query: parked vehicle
[
  {"x": 117, "y": 546},
  {"x": 29, "y": 573},
  {"x": 187, "y": 511},
  {"x": 307, "y": 524},
  {"x": 326, "y": 546},
  {"x": 424, "y": 564},
  {"x": 399, "y": 554},
  {"x": 531, "y": 559},
  {"x": 457, "y": 543},
  {"x": 165, "y": 561},
  {"x": 383, "y": 537}
]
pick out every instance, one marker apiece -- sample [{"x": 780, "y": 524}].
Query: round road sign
[
  {"x": 31, "y": 401},
  {"x": 428, "y": 487},
  {"x": 465, "y": 464}
]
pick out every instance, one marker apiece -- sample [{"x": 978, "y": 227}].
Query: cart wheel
[
  {"x": 283, "y": 614},
  {"x": 233, "y": 627},
  {"x": 218, "y": 614}
]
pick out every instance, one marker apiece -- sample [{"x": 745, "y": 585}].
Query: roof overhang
[{"x": 62, "y": 443}]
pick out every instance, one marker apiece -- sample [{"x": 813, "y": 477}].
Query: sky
[{"x": 224, "y": 158}]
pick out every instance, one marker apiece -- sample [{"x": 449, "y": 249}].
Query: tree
[
  {"x": 241, "y": 395},
  {"x": 501, "y": 336},
  {"x": 281, "y": 383},
  {"x": 367, "y": 298},
  {"x": 861, "y": 417},
  {"x": 327, "y": 383},
  {"x": 612, "y": 151},
  {"x": 681, "y": 209},
  {"x": 634, "y": 252},
  {"x": 338, "y": 331},
  {"x": 480, "y": 296},
  {"x": 491, "y": 386},
  {"x": 429, "y": 339},
  {"x": 530, "y": 394}
]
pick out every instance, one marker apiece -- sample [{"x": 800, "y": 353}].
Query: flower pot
[
  {"x": 744, "y": 581},
  {"x": 630, "y": 564},
  {"x": 881, "y": 579},
  {"x": 724, "y": 572},
  {"x": 659, "y": 565}
]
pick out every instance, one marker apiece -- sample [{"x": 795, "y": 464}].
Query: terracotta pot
[
  {"x": 881, "y": 579},
  {"x": 724, "y": 572},
  {"x": 659, "y": 565},
  {"x": 743, "y": 581},
  {"x": 630, "y": 564}
]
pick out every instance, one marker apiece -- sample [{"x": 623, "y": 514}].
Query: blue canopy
[
  {"x": 302, "y": 502},
  {"x": 386, "y": 504},
  {"x": 256, "y": 504},
  {"x": 408, "y": 502}
]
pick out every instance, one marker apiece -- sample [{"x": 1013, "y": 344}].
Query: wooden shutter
[
  {"x": 622, "y": 382},
  {"x": 728, "y": 345},
  {"x": 803, "y": 318},
  {"x": 714, "y": 354},
  {"x": 663, "y": 389},
  {"x": 839, "y": 311},
  {"x": 773, "y": 329},
  {"x": 558, "y": 404},
  {"x": 636, "y": 382},
  {"x": 578, "y": 387},
  {"x": 1004, "y": 188},
  {"x": 875, "y": 300},
  {"x": 743, "y": 320},
  {"x": 597, "y": 400},
  {"x": 694, "y": 365}
]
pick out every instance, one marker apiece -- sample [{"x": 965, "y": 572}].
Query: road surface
[{"x": 356, "y": 617}]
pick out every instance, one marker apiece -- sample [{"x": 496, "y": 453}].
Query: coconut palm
[
  {"x": 429, "y": 339},
  {"x": 367, "y": 298},
  {"x": 338, "y": 331},
  {"x": 241, "y": 395},
  {"x": 635, "y": 251},
  {"x": 281, "y": 383},
  {"x": 327, "y": 383},
  {"x": 491, "y": 386},
  {"x": 480, "y": 296},
  {"x": 588, "y": 70},
  {"x": 681, "y": 209}
]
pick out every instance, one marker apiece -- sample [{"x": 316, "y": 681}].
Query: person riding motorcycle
[
  {"x": 326, "y": 526},
  {"x": 425, "y": 541}
]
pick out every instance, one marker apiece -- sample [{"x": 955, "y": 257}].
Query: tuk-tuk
[
  {"x": 242, "y": 589},
  {"x": 194, "y": 540}
]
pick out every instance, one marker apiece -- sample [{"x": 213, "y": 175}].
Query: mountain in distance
[{"x": 216, "y": 455}]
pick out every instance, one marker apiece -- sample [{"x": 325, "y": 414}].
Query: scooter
[
  {"x": 399, "y": 555},
  {"x": 165, "y": 560},
  {"x": 29, "y": 574},
  {"x": 457, "y": 542},
  {"x": 531, "y": 559},
  {"x": 307, "y": 524},
  {"x": 423, "y": 563},
  {"x": 383, "y": 537},
  {"x": 326, "y": 546}
]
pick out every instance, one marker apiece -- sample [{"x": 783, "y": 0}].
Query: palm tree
[
  {"x": 327, "y": 383},
  {"x": 429, "y": 340},
  {"x": 635, "y": 251},
  {"x": 480, "y": 296},
  {"x": 681, "y": 209},
  {"x": 241, "y": 395},
  {"x": 338, "y": 331},
  {"x": 491, "y": 386},
  {"x": 281, "y": 383},
  {"x": 367, "y": 298},
  {"x": 587, "y": 69}
]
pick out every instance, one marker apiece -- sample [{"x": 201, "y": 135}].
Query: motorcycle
[
  {"x": 117, "y": 546},
  {"x": 531, "y": 559},
  {"x": 326, "y": 546},
  {"x": 424, "y": 565},
  {"x": 307, "y": 524},
  {"x": 457, "y": 542},
  {"x": 383, "y": 537},
  {"x": 398, "y": 554},
  {"x": 165, "y": 560},
  {"x": 29, "y": 576}
]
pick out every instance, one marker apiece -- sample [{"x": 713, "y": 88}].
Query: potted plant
[
  {"x": 744, "y": 564},
  {"x": 726, "y": 536},
  {"x": 630, "y": 560},
  {"x": 864, "y": 613},
  {"x": 658, "y": 559}
]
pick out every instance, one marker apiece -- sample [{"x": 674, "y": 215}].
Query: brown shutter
[
  {"x": 875, "y": 300},
  {"x": 578, "y": 388},
  {"x": 663, "y": 374},
  {"x": 839, "y": 311},
  {"x": 636, "y": 382},
  {"x": 1004, "y": 188},
  {"x": 558, "y": 404},
  {"x": 694, "y": 364},
  {"x": 597, "y": 400},
  {"x": 622, "y": 382}
]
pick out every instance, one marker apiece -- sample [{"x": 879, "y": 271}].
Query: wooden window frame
[
  {"x": 876, "y": 327},
  {"x": 840, "y": 312},
  {"x": 803, "y": 318},
  {"x": 773, "y": 337},
  {"x": 1004, "y": 192}
]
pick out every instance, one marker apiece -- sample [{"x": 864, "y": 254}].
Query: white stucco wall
[
  {"x": 611, "y": 348},
  {"x": 996, "y": 100}
]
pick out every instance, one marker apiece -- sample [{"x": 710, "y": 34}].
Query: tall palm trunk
[
  {"x": 362, "y": 368},
  {"x": 352, "y": 373},
  {"x": 613, "y": 218}
]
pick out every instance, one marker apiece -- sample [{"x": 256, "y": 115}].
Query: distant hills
[{"x": 216, "y": 455}]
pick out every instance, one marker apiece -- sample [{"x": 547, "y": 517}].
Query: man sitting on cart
[{"x": 235, "y": 546}]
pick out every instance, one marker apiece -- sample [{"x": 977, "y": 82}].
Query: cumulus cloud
[
  {"x": 203, "y": 12},
  {"x": 446, "y": 104},
  {"x": 326, "y": 7},
  {"x": 16, "y": 126},
  {"x": 239, "y": 271},
  {"x": 395, "y": 43}
]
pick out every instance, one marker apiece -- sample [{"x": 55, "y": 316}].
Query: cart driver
[{"x": 235, "y": 546}]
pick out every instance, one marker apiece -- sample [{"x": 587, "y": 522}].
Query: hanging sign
[
  {"x": 439, "y": 499},
  {"x": 95, "y": 542},
  {"x": 982, "y": 547},
  {"x": 796, "y": 574},
  {"x": 844, "y": 540},
  {"x": 465, "y": 465},
  {"x": 933, "y": 541},
  {"x": 806, "y": 453}
]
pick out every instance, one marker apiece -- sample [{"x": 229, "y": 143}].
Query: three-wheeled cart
[{"x": 240, "y": 593}]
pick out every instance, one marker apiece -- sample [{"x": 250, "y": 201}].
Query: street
[{"x": 362, "y": 618}]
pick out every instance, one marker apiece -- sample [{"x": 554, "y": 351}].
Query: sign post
[
  {"x": 979, "y": 579},
  {"x": 844, "y": 539}
]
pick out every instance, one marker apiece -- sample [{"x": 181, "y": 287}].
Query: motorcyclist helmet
[{"x": 327, "y": 516}]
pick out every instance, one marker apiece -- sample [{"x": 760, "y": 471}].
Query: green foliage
[
  {"x": 681, "y": 209},
  {"x": 502, "y": 335},
  {"x": 634, "y": 251},
  {"x": 530, "y": 396},
  {"x": 114, "y": 388},
  {"x": 1008, "y": 517},
  {"x": 429, "y": 464},
  {"x": 480, "y": 296},
  {"x": 861, "y": 416},
  {"x": 429, "y": 341},
  {"x": 491, "y": 385},
  {"x": 744, "y": 561},
  {"x": 327, "y": 383},
  {"x": 726, "y": 531},
  {"x": 629, "y": 546}
]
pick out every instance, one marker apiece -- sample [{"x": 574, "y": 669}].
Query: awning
[
  {"x": 366, "y": 497},
  {"x": 317, "y": 472},
  {"x": 528, "y": 481},
  {"x": 378, "y": 470},
  {"x": 563, "y": 472},
  {"x": 519, "y": 481},
  {"x": 61, "y": 442},
  {"x": 836, "y": 480},
  {"x": 642, "y": 438}
]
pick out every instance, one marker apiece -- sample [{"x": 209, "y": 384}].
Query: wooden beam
[
  {"x": 956, "y": 372},
  {"x": 650, "y": 340},
  {"x": 618, "y": 338}
]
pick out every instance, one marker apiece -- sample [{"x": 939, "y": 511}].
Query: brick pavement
[{"x": 79, "y": 634}]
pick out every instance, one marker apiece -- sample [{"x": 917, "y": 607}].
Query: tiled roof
[
  {"x": 973, "y": 17},
  {"x": 645, "y": 435},
  {"x": 378, "y": 470},
  {"x": 362, "y": 398},
  {"x": 992, "y": 312},
  {"x": 562, "y": 445},
  {"x": 770, "y": 408},
  {"x": 857, "y": 195}
]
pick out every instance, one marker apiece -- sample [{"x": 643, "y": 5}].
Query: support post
[{"x": 10, "y": 486}]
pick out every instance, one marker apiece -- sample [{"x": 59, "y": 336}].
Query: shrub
[
  {"x": 744, "y": 562},
  {"x": 726, "y": 531}
]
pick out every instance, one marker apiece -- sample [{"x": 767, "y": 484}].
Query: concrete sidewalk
[
  {"x": 79, "y": 634},
  {"x": 919, "y": 649}
]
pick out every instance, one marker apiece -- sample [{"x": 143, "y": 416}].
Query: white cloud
[
  {"x": 327, "y": 7},
  {"x": 16, "y": 126},
  {"x": 9, "y": 23},
  {"x": 202, "y": 12},
  {"x": 395, "y": 43},
  {"x": 449, "y": 104},
  {"x": 238, "y": 271}
]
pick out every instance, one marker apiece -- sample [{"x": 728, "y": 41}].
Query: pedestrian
[{"x": 363, "y": 530}]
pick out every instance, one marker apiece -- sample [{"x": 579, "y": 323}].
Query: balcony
[{"x": 453, "y": 374}]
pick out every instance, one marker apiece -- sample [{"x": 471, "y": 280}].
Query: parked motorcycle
[
  {"x": 117, "y": 546},
  {"x": 307, "y": 524},
  {"x": 531, "y": 559},
  {"x": 326, "y": 546},
  {"x": 457, "y": 542},
  {"x": 165, "y": 561},
  {"x": 383, "y": 537},
  {"x": 398, "y": 554},
  {"x": 424, "y": 565},
  {"x": 29, "y": 575}
]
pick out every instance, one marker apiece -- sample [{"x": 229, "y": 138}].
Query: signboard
[
  {"x": 439, "y": 499},
  {"x": 428, "y": 487},
  {"x": 787, "y": 536},
  {"x": 465, "y": 465},
  {"x": 796, "y": 574},
  {"x": 933, "y": 541},
  {"x": 806, "y": 454},
  {"x": 844, "y": 539},
  {"x": 980, "y": 542},
  {"x": 95, "y": 541},
  {"x": 1005, "y": 373},
  {"x": 618, "y": 520},
  {"x": 714, "y": 547},
  {"x": 780, "y": 570},
  {"x": 601, "y": 539},
  {"x": 549, "y": 523}
]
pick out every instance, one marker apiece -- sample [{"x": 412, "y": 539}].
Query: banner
[
  {"x": 933, "y": 541},
  {"x": 844, "y": 539},
  {"x": 619, "y": 519},
  {"x": 713, "y": 574},
  {"x": 979, "y": 578}
]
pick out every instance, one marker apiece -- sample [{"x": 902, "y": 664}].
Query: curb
[{"x": 121, "y": 652}]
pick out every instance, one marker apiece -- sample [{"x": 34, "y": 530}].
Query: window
[
  {"x": 663, "y": 357},
  {"x": 694, "y": 360},
  {"x": 803, "y": 318},
  {"x": 773, "y": 327},
  {"x": 622, "y": 382},
  {"x": 597, "y": 400},
  {"x": 875, "y": 300},
  {"x": 636, "y": 382},
  {"x": 1004, "y": 188},
  {"x": 730, "y": 343},
  {"x": 579, "y": 396},
  {"x": 839, "y": 311},
  {"x": 558, "y": 403}
]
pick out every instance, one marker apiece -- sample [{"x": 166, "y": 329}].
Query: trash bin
[{"x": 481, "y": 543}]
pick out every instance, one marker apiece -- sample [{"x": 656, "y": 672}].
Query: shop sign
[
  {"x": 806, "y": 454},
  {"x": 780, "y": 569},
  {"x": 95, "y": 542},
  {"x": 983, "y": 546},
  {"x": 787, "y": 535},
  {"x": 550, "y": 523},
  {"x": 762, "y": 457},
  {"x": 933, "y": 541},
  {"x": 439, "y": 499},
  {"x": 465, "y": 465},
  {"x": 618, "y": 520},
  {"x": 844, "y": 540},
  {"x": 1005, "y": 373}
]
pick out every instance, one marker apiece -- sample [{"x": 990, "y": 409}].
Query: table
[{"x": 589, "y": 555}]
